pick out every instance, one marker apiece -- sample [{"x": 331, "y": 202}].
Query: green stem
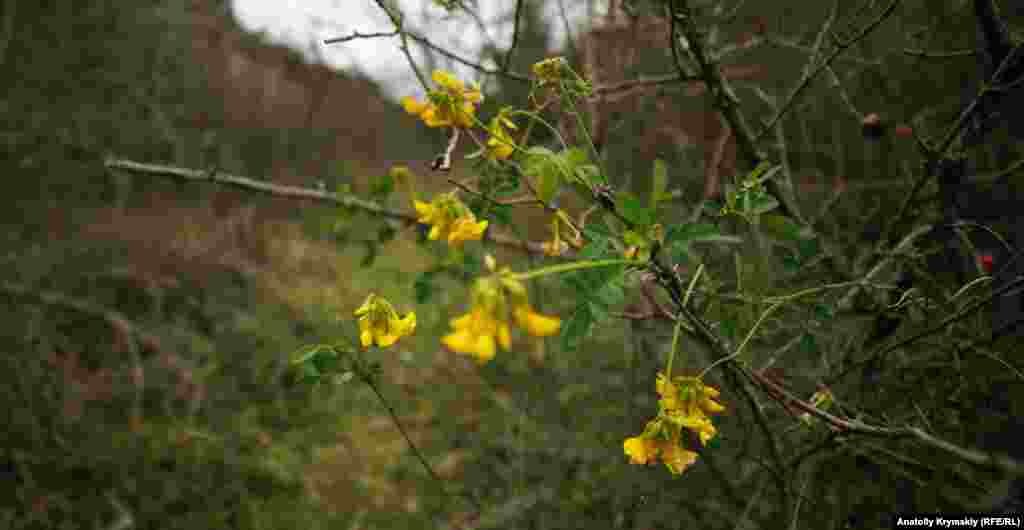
[
  {"x": 569, "y": 267},
  {"x": 675, "y": 347}
]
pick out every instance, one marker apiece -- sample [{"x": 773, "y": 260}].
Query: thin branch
[
  {"x": 292, "y": 192},
  {"x": 941, "y": 55},
  {"x": 515, "y": 38},
  {"x": 466, "y": 62},
  {"x": 356, "y": 35},
  {"x": 642, "y": 82}
]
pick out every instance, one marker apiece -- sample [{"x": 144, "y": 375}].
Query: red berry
[{"x": 986, "y": 261}]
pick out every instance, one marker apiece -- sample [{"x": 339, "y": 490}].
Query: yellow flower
[
  {"x": 535, "y": 323},
  {"x": 688, "y": 395},
  {"x": 554, "y": 248},
  {"x": 453, "y": 105},
  {"x": 548, "y": 70},
  {"x": 676, "y": 458},
  {"x": 500, "y": 145},
  {"x": 380, "y": 324},
  {"x": 449, "y": 219},
  {"x": 641, "y": 449},
  {"x": 466, "y": 229},
  {"x": 486, "y": 326},
  {"x": 476, "y": 332},
  {"x": 557, "y": 246},
  {"x": 700, "y": 425}
]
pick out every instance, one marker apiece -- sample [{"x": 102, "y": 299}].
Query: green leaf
[
  {"x": 824, "y": 312},
  {"x": 304, "y": 354},
  {"x": 679, "y": 253},
  {"x": 578, "y": 325},
  {"x": 371, "y": 253},
  {"x": 808, "y": 344},
  {"x": 382, "y": 185},
  {"x": 543, "y": 165},
  {"x": 808, "y": 248},
  {"x": 326, "y": 360},
  {"x": 659, "y": 182},
  {"x": 575, "y": 157},
  {"x": 790, "y": 263},
  {"x": 693, "y": 232},
  {"x": 308, "y": 372},
  {"x": 386, "y": 233},
  {"x": 423, "y": 286},
  {"x": 633, "y": 210},
  {"x": 547, "y": 185},
  {"x": 781, "y": 227},
  {"x": 761, "y": 203},
  {"x": 597, "y": 229},
  {"x": 501, "y": 213},
  {"x": 730, "y": 327}
]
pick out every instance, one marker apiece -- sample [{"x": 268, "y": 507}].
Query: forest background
[{"x": 149, "y": 320}]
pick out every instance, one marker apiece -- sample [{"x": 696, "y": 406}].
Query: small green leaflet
[
  {"x": 659, "y": 182},
  {"x": 633, "y": 210},
  {"x": 578, "y": 325},
  {"x": 423, "y": 286}
]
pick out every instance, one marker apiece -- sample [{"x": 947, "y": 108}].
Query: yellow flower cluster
[
  {"x": 557, "y": 246},
  {"x": 549, "y": 70},
  {"x": 449, "y": 219},
  {"x": 496, "y": 299},
  {"x": 451, "y": 105},
  {"x": 380, "y": 324},
  {"x": 685, "y": 403},
  {"x": 500, "y": 145}
]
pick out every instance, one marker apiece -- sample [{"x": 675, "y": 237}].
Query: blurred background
[{"x": 147, "y": 321}]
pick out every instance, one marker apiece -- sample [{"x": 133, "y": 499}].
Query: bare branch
[
  {"x": 292, "y": 192},
  {"x": 356, "y": 35}
]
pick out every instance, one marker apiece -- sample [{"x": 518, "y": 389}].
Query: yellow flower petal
[
  {"x": 466, "y": 229},
  {"x": 365, "y": 308},
  {"x": 485, "y": 349},
  {"x": 640, "y": 450},
  {"x": 447, "y": 80},
  {"x": 413, "y": 106},
  {"x": 504, "y": 336},
  {"x": 676, "y": 458},
  {"x": 460, "y": 342},
  {"x": 535, "y": 323},
  {"x": 432, "y": 117},
  {"x": 384, "y": 340},
  {"x": 435, "y": 232},
  {"x": 425, "y": 211},
  {"x": 711, "y": 406},
  {"x": 366, "y": 338},
  {"x": 407, "y": 324}
]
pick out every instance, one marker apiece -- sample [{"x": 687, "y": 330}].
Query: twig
[
  {"x": 356, "y": 35},
  {"x": 474, "y": 65},
  {"x": 293, "y": 192},
  {"x": 942, "y": 55},
  {"x": 515, "y": 38}
]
